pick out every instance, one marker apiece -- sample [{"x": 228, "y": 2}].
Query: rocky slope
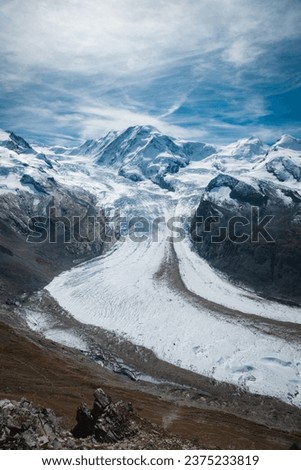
[
  {"x": 41, "y": 237},
  {"x": 251, "y": 230}
]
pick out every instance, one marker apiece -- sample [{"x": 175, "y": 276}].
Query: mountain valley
[{"x": 166, "y": 272}]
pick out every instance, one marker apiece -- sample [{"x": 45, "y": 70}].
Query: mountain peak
[
  {"x": 11, "y": 141},
  {"x": 143, "y": 129},
  {"x": 4, "y": 135},
  {"x": 138, "y": 132},
  {"x": 288, "y": 142},
  {"x": 244, "y": 148}
]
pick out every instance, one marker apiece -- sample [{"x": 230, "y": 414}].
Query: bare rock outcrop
[{"x": 105, "y": 421}]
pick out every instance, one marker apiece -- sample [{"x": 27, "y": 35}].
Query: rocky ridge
[{"x": 105, "y": 425}]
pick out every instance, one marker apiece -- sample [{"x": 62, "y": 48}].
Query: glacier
[{"x": 161, "y": 294}]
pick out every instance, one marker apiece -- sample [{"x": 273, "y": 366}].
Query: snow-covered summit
[
  {"x": 92, "y": 147},
  {"x": 244, "y": 148},
  {"x": 142, "y": 152},
  {"x": 11, "y": 141},
  {"x": 287, "y": 142},
  {"x": 21, "y": 165},
  {"x": 282, "y": 161}
]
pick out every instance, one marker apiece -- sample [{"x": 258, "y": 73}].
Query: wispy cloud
[{"x": 86, "y": 67}]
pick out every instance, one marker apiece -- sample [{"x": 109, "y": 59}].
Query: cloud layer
[{"x": 210, "y": 69}]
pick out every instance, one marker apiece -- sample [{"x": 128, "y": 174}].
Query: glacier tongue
[{"x": 133, "y": 292}]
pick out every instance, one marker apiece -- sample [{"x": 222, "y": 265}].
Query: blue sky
[{"x": 211, "y": 70}]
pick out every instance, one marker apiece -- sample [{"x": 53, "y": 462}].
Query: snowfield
[{"x": 39, "y": 321}]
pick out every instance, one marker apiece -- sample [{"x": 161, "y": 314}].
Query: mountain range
[
  {"x": 225, "y": 180},
  {"x": 205, "y": 235}
]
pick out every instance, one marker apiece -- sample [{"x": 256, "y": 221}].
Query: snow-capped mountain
[
  {"x": 138, "y": 153},
  {"x": 11, "y": 141},
  {"x": 270, "y": 183},
  {"x": 112, "y": 170},
  {"x": 250, "y": 149},
  {"x": 138, "y": 286},
  {"x": 287, "y": 142},
  {"x": 142, "y": 152}
]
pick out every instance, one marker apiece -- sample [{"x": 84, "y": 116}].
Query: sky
[{"x": 208, "y": 70}]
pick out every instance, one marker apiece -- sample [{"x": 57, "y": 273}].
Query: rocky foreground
[{"x": 105, "y": 425}]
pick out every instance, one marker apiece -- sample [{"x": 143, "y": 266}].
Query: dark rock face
[
  {"x": 42, "y": 235},
  {"x": 240, "y": 191},
  {"x": 284, "y": 169},
  {"x": 17, "y": 143},
  {"x": 105, "y": 421},
  {"x": 28, "y": 180},
  {"x": 229, "y": 236}
]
